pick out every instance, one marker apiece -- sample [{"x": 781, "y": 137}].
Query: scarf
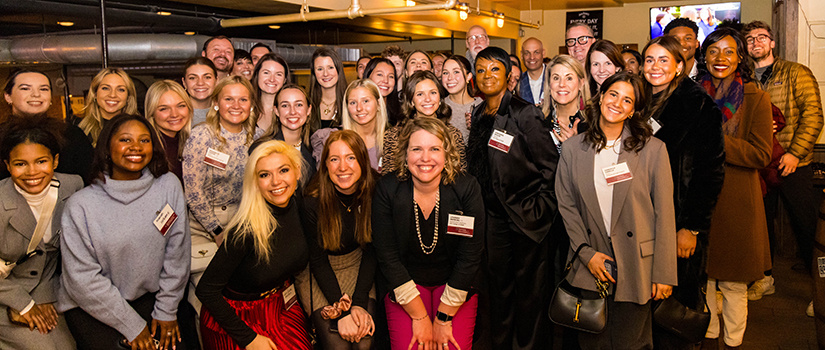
[{"x": 728, "y": 99}]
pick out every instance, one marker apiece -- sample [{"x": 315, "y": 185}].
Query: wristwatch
[{"x": 443, "y": 317}]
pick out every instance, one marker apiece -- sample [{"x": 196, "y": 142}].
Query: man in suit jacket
[{"x": 531, "y": 84}]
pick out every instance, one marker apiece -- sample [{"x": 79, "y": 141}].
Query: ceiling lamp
[
  {"x": 274, "y": 26},
  {"x": 164, "y": 13},
  {"x": 463, "y": 10},
  {"x": 410, "y": 3},
  {"x": 65, "y": 23},
  {"x": 499, "y": 18}
]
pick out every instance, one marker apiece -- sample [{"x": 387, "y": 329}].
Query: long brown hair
[
  {"x": 673, "y": 47},
  {"x": 640, "y": 130},
  {"x": 321, "y": 187}
]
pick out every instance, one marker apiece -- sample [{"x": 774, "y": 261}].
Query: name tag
[
  {"x": 654, "y": 124},
  {"x": 617, "y": 173},
  {"x": 290, "y": 297},
  {"x": 501, "y": 141},
  {"x": 216, "y": 158},
  {"x": 165, "y": 219},
  {"x": 460, "y": 225}
]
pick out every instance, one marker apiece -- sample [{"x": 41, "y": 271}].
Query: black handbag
[
  {"x": 571, "y": 307},
  {"x": 681, "y": 320}
]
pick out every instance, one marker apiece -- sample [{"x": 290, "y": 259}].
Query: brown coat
[{"x": 738, "y": 240}]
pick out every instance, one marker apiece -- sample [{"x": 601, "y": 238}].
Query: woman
[
  {"x": 382, "y": 72},
  {"x": 457, "y": 77},
  {"x": 327, "y": 84},
  {"x": 738, "y": 238},
  {"x": 599, "y": 209},
  {"x": 112, "y": 92},
  {"x": 603, "y": 60},
  {"x": 415, "y": 61},
  {"x": 338, "y": 231},
  {"x": 271, "y": 73},
  {"x": 428, "y": 231},
  {"x": 169, "y": 110},
  {"x": 199, "y": 79},
  {"x": 29, "y": 93},
  {"x": 422, "y": 99},
  {"x": 687, "y": 120},
  {"x": 243, "y": 64},
  {"x": 247, "y": 292},
  {"x": 365, "y": 114},
  {"x": 566, "y": 85},
  {"x": 517, "y": 171},
  {"x": 632, "y": 61},
  {"x": 125, "y": 257},
  {"x": 33, "y": 200},
  {"x": 292, "y": 110}
]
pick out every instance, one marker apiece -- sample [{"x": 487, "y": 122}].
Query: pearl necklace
[{"x": 428, "y": 249}]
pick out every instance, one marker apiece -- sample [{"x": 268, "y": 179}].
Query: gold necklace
[
  {"x": 349, "y": 207},
  {"x": 613, "y": 146},
  {"x": 327, "y": 109},
  {"x": 428, "y": 249}
]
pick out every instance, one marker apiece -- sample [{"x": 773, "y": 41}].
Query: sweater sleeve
[
  {"x": 366, "y": 277},
  {"x": 318, "y": 259},
  {"x": 175, "y": 272},
  {"x": 196, "y": 180}
]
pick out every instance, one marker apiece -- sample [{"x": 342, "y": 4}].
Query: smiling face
[
  {"x": 426, "y": 98},
  {"x": 111, "y": 95},
  {"x": 630, "y": 63},
  {"x": 515, "y": 75},
  {"x": 31, "y": 167},
  {"x": 199, "y": 82},
  {"x": 244, "y": 68},
  {"x": 687, "y": 38},
  {"x": 277, "y": 179},
  {"x": 383, "y": 75},
  {"x": 131, "y": 150},
  {"x": 579, "y": 51},
  {"x": 617, "y": 104},
  {"x": 564, "y": 85},
  {"x": 292, "y": 109},
  {"x": 491, "y": 77},
  {"x": 221, "y": 53},
  {"x": 30, "y": 95},
  {"x": 425, "y": 157},
  {"x": 601, "y": 67},
  {"x": 257, "y": 53},
  {"x": 454, "y": 78},
  {"x": 417, "y": 61},
  {"x": 660, "y": 67},
  {"x": 722, "y": 59},
  {"x": 325, "y": 72},
  {"x": 271, "y": 77},
  {"x": 234, "y": 107},
  {"x": 344, "y": 170},
  {"x": 361, "y": 65},
  {"x": 362, "y": 106},
  {"x": 171, "y": 114},
  {"x": 760, "y": 44},
  {"x": 532, "y": 53},
  {"x": 438, "y": 64}
]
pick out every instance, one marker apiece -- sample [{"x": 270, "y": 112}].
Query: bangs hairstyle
[
  {"x": 276, "y": 121},
  {"x": 466, "y": 68},
  {"x": 316, "y": 91},
  {"x": 322, "y": 187},
  {"x": 607, "y": 48},
  {"x": 492, "y": 53},
  {"x": 744, "y": 68},
  {"x": 380, "y": 113},
  {"x": 254, "y": 218},
  {"x": 241, "y": 54},
  {"x": 452, "y": 163},
  {"x": 671, "y": 44},
  {"x": 214, "y": 120},
  {"x": 409, "y": 56},
  {"x": 408, "y": 109},
  {"x": 102, "y": 163},
  {"x": 93, "y": 119},
  {"x": 640, "y": 130},
  {"x": 547, "y": 105},
  {"x": 38, "y": 129},
  {"x": 153, "y": 96}
]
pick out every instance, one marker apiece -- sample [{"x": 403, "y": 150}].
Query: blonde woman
[
  {"x": 169, "y": 110},
  {"x": 112, "y": 92},
  {"x": 566, "y": 84}
]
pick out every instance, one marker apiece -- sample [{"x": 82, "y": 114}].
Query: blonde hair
[
  {"x": 214, "y": 120},
  {"x": 92, "y": 122},
  {"x": 380, "y": 114},
  {"x": 452, "y": 162},
  {"x": 254, "y": 218},
  {"x": 153, "y": 95},
  {"x": 571, "y": 63}
]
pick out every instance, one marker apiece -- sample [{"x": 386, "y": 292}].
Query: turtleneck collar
[{"x": 127, "y": 191}]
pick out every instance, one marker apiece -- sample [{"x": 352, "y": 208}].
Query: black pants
[
  {"x": 628, "y": 328},
  {"x": 801, "y": 202},
  {"x": 520, "y": 278},
  {"x": 332, "y": 340}
]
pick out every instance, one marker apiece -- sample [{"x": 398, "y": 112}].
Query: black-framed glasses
[
  {"x": 761, "y": 38},
  {"x": 582, "y": 40}
]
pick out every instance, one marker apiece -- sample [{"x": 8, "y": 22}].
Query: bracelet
[{"x": 420, "y": 318}]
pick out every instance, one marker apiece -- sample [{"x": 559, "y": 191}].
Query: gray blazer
[
  {"x": 643, "y": 230},
  {"x": 35, "y": 279}
]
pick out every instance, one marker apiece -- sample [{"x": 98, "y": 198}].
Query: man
[
  {"x": 687, "y": 32},
  {"x": 578, "y": 38},
  {"x": 531, "y": 84},
  {"x": 219, "y": 50},
  {"x": 477, "y": 40},
  {"x": 258, "y": 50},
  {"x": 396, "y": 55},
  {"x": 794, "y": 90}
]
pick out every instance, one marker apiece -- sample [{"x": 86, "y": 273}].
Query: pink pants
[{"x": 400, "y": 323}]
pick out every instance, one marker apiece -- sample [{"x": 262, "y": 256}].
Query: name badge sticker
[
  {"x": 654, "y": 124},
  {"x": 460, "y": 225},
  {"x": 617, "y": 173},
  {"x": 165, "y": 219},
  {"x": 501, "y": 141},
  {"x": 290, "y": 297},
  {"x": 216, "y": 158}
]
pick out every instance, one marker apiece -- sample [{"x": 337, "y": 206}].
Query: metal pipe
[
  {"x": 104, "y": 41},
  {"x": 351, "y": 12}
]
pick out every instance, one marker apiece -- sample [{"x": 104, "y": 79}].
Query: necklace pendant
[{"x": 326, "y": 111}]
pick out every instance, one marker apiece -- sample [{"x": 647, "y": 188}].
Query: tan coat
[{"x": 738, "y": 240}]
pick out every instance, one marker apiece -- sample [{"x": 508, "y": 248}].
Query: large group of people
[{"x": 432, "y": 203}]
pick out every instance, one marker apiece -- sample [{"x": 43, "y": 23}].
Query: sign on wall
[{"x": 594, "y": 18}]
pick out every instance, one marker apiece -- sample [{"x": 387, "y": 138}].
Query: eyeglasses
[
  {"x": 477, "y": 37},
  {"x": 582, "y": 40},
  {"x": 761, "y": 38}
]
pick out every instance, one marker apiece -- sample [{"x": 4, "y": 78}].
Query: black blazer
[
  {"x": 692, "y": 131},
  {"x": 393, "y": 224},
  {"x": 523, "y": 179}
]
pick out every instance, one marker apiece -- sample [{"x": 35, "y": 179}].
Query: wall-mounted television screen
[{"x": 707, "y": 17}]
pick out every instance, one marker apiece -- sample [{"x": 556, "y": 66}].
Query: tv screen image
[{"x": 707, "y": 16}]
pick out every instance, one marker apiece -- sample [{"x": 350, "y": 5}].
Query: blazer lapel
[
  {"x": 22, "y": 219},
  {"x": 620, "y": 189},
  {"x": 584, "y": 172}
]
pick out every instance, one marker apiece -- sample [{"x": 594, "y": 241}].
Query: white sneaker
[
  {"x": 761, "y": 287},
  {"x": 810, "y": 310}
]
